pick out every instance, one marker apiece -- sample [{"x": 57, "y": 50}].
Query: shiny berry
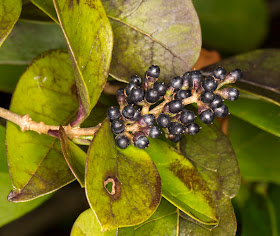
[
  {"x": 136, "y": 95},
  {"x": 113, "y": 113},
  {"x": 182, "y": 94},
  {"x": 217, "y": 102},
  {"x": 149, "y": 119},
  {"x": 195, "y": 79},
  {"x": 207, "y": 116},
  {"x": 152, "y": 96},
  {"x": 187, "y": 116},
  {"x": 207, "y": 97},
  {"x": 175, "y": 138},
  {"x": 230, "y": 94},
  {"x": 160, "y": 87},
  {"x": 175, "y": 106},
  {"x": 186, "y": 77},
  {"x": 128, "y": 112},
  {"x": 135, "y": 79},
  {"x": 137, "y": 115},
  {"x": 153, "y": 71},
  {"x": 220, "y": 73},
  {"x": 163, "y": 120},
  {"x": 237, "y": 74},
  {"x": 117, "y": 126},
  {"x": 140, "y": 140},
  {"x": 192, "y": 129},
  {"x": 120, "y": 92},
  {"x": 176, "y": 83},
  {"x": 129, "y": 87},
  {"x": 221, "y": 111},
  {"x": 176, "y": 128},
  {"x": 155, "y": 132},
  {"x": 209, "y": 84},
  {"x": 122, "y": 141},
  {"x": 120, "y": 96}
]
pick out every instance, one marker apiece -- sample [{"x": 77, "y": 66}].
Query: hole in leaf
[{"x": 110, "y": 186}]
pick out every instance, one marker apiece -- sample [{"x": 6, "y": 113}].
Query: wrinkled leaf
[
  {"x": 257, "y": 151},
  {"x": 11, "y": 211},
  {"x": 32, "y": 13},
  {"x": 87, "y": 224},
  {"x": 47, "y": 92},
  {"x": 261, "y": 72},
  {"x": 135, "y": 190},
  {"x": 166, "y": 33},
  {"x": 233, "y": 26},
  {"x": 47, "y": 7},
  {"x": 181, "y": 184},
  {"x": 212, "y": 155},
  {"x": 9, "y": 12},
  {"x": 90, "y": 41},
  {"x": 75, "y": 158}
]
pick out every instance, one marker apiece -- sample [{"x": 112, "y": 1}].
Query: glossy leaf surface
[
  {"x": 89, "y": 46},
  {"x": 123, "y": 187},
  {"x": 47, "y": 92},
  {"x": 212, "y": 155},
  {"x": 11, "y": 211},
  {"x": 181, "y": 183},
  {"x": 9, "y": 12},
  {"x": 166, "y": 33}
]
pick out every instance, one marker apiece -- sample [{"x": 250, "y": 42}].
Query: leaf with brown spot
[
  {"x": 134, "y": 191},
  {"x": 89, "y": 38},
  {"x": 166, "y": 33},
  {"x": 181, "y": 183}
]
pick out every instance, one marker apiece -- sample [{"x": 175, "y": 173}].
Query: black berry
[
  {"x": 207, "y": 97},
  {"x": 120, "y": 96},
  {"x": 176, "y": 128},
  {"x": 217, "y": 102},
  {"x": 192, "y": 129},
  {"x": 113, "y": 113},
  {"x": 207, "y": 116},
  {"x": 153, "y": 71},
  {"x": 117, "y": 126},
  {"x": 209, "y": 84},
  {"x": 149, "y": 119},
  {"x": 230, "y": 94},
  {"x": 175, "y": 106},
  {"x": 136, "y": 95},
  {"x": 140, "y": 140},
  {"x": 175, "y": 138},
  {"x": 221, "y": 111},
  {"x": 152, "y": 96},
  {"x": 176, "y": 83},
  {"x": 163, "y": 120},
  {"x": 122, "y": 141},
  {"x": 135, "y": 79},
  {"x": 187, "y": 116},
  {"x": 129, "y": 87},
  {"x": 155, "y": 132},
  {"x": 137, "y": 115},
  {"x": 182, "y": 94},
  {"x": 237, "y": 74},
  {"x": 220, "y": 73},
  {"x": 195, "y": 79},
  {"x": 160, "y": 87},
  {"x": 128, "y": 112}
]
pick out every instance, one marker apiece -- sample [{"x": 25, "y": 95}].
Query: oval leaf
[
  {"x": 47, "y": 92},
  {"x": 90, "y": 55},
  {"x": 166, "y": 33},
  {"x": 9, "y": 12},
  {"x": 181, "y": 183},
  {"x": 123, "y": 187}
]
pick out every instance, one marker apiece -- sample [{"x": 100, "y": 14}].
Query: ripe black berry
[
  {"x": 186, "y": 77},
  {"x": 237, "y": 74},
  {"x": 176, "y": 83},
  {"x": 195, "y": 79},
  {"x": 207, "y": 97},
  {"x": 135, "y": 79},
  {"x": 163, "y": 120},
  {"x": 176, "y": 128},
  {"x": 155, "y": 132},
  {"x": 120, "y": 96},
  {"x": 117, "y": 126},
  {"x": 160, "y": 87},
  {"x": 137, "y": 115},
  {"x": 120, "y": 91},
  {"x": 175, "y": 138},
  {"x": 187, "y": 116},
  {"x": 128, "y": 112},
  {"x": 136, "y": 95},
  {"x": 207, "y": 116},
  {"x": 149, "y": 119},
  {"x": 175, "y": 106},
  {"x": 220, "y": 73},
  {"x": 221, "y": 111},
  {"x": 230, "y": 94},
  {"x": 192, "y": 129},
  {"x": 182, "y": 94},
  {"x": 122, "y": 141},
  {"x": 217, "y": 102},
  {"x": 129, "y": 87},
  {"x": 153, "y": 71},
  {"x": 113, "y": 113},
  {"x": 140, "y": 140},
  {"x": 152, "y": 96},
  {"x": 209, "y": 84}
]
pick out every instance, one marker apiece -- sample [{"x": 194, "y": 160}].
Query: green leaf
[
  {"x": 123, "y": 187},
  {"x": 181, "y": 184},
  {"x": 261, "y": 72},
  {"x": 75, "y": 158},
  {"x": 11, "y": 211},
  {"x": 32, "y": 13},
  {"x": 47, "y": 92},
  {"x": 47, "y": 7},
  {"x": 9, "y": 12},
  {"x": 257, "y": 151},
  {"x": 90, "y": 48},
  {"x": 165, "y": 33},
  {"x": 233, "y": 26},
  {"x": 87, "y": 224},
  {"x": 211, "y": 153}
]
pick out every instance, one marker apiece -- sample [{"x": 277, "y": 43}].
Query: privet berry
[
  {"x": 152, "y": 96},
  {"x": 135, "y": 79},
  {"x": 221, "y": 111},
  {"x": 129, "y": 87},
  {"x": 163, "y": 120},
  {"x": 117, "y": 126},
  {"x": 209, "y": 84},
  {"x": 217, "y": 102},
  {"x": 155, "y": 132},
  {"x": 195, "y": 79},
  {"x": 207, "y": 116},
  {"x": 136, "y": 95},
  {"x": 113, "y": 113},
  {"x": 160, "y": 87},
  {"x": 192, "y": 129},
  {"x": 149, "y": 119},
  {"x": 182, "y": 94},
  {"x": 176, "y": 83},
  {"x": 207, "y": 97},
  {"x": 187, "y": 116},
  {"x": 128, "y": 112},
  {"x": 220, "y": 73},
  {"x": 140, "y": 140},
  {"x": 122, "y": 141},
  {"x": 153, "y": 71},
  {"x": 176, "y": 128},
  {"x": 175, "y": 106}
]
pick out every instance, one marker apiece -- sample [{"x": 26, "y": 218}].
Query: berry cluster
[{"x": 147, "y": 107}]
